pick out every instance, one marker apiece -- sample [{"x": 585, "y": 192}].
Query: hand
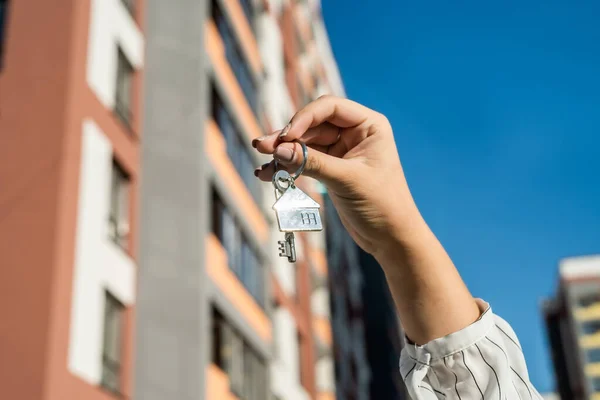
[{"x": 352, "y": 151}]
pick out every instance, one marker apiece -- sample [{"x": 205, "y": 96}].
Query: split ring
[{"x": 300, "y": 170}]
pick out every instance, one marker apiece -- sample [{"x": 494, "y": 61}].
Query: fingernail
[
  {"x": 284, "y": 154},
  {"x": 285, "y": 130},
  {"x": 256, "y": 141}
]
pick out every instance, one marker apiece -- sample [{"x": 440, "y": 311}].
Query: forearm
[{"x": 431, "y": 297}]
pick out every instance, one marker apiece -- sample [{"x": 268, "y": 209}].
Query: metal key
[
  {"x": 295, "y": 210},
  {"x": 287, "y": 247}
]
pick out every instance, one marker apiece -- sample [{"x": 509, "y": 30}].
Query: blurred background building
[
  {"x": 70, "y": 126},
  {"x": 573, "y": 323},
  {"x": 383, "y": 333},
  {"x": 220, "y": 312},
  {"x": 366, "y": 330},
  {"x": 133, "y": 231}
]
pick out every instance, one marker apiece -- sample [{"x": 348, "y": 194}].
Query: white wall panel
[
  {"x": 111, "y": 26},
  {"x": 99, "y": 263}
]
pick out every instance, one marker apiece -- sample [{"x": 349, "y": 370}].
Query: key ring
[
  {"x": 300, "y": 170},
  {"x": 284, "y": 176}
]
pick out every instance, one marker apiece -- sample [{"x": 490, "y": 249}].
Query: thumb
[{"x": 319, "y": 165}]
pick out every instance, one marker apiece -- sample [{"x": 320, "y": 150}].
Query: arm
[
  {"x": 353, "y": 152},
  {"x": 431, "y": 298},
  {"x": 460, "y": 347}
]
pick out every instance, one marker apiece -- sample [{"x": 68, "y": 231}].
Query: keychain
[{"x": 295, "y": 210}]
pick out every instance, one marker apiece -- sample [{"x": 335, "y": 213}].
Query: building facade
[
  {"x": 139, "y": 256},
  {"x": 352, "y": 371},
  {"x": 70, "y": 128},
  {"x": 383, "y": 333},
  {"x": 367, "y": 334},
  {"x": 221, "y": 315},
  {"x": 573, "y": 323}
]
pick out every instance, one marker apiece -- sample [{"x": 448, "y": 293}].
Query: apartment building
[
  {"x": 352, "y": 370},
  {"x": 220, "y": 314},
  {"x": 70, "y": 132},
  {"x": 573, "y": 323},
  {"x": 383, "y": 332}
]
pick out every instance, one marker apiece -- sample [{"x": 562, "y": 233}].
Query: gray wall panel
[{"x": 172, "y": 315}]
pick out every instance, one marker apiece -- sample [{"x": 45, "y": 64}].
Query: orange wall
[
  {"x": 234, "y": 290},
  {"x": 83, "y": 103},
  {"x": 245, "y": 34},
  {"x": 34, "y": 89},
  {"x": 216, "y": 51},
  {"x": 217, "y": 384},
  {"x": 217, "y": 152},
  {"x": 322, "y": 328},
  {"x": 43, "y": 101}
]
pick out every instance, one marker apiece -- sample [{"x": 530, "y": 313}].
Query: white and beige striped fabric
[{"x": 484, "y": 361}]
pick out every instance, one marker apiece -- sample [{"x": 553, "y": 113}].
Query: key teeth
[{"x": 282, "y": 249}]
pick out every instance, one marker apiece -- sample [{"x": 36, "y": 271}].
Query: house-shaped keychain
[{"x": 296, "y": 211}]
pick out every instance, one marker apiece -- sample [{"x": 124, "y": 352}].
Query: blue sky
[{"x": 496, "y": 113}]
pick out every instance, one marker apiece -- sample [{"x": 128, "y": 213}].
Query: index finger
[{"x": 340, "y": 112}]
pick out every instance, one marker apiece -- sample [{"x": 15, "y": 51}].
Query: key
[
  {"x": 295, "y": 210},
  {"x": 287, "y": 247}
]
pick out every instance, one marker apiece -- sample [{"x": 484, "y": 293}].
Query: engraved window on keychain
[{"x": 295, "y": 210}]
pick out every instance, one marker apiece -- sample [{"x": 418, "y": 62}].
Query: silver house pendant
[{"x": 295, "y": 210}]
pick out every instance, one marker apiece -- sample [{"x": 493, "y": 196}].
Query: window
[
  {"x": 590, "y": 327},
  {"x": 595, "y": 384},
  {"x": 248, "y": 11},
  {"x": 300, "y": 45},
  {"x": 234, "y": 56},
  {"x": 118, "y": 218},
  {"x": 245, "y": 369},
  {"x": 303, "y": 98},
  {"x": 111, "y": 354},
  {"x": 129, "y": 4},
  {"x": 124, "y": 88},
  {"x": 3, "y": 18},
  {"x": 593, "y": 355},
  {"x": 588, "y": 299},
  {"x": 237, "y": 146},
  {"x": 241, "y": 253}
]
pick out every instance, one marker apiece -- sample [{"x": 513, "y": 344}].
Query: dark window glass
[
  {"x": 246, "y": 371},
  {"x": 303, "y": 97},
  {"x": 118, "y": 218},
  {"x": 593, "y": 355},
  {"x": 237, "y": 146},
  {"x": 235, "y": 58},
  {"x": 129, "y": 4},
  {"x": 301, "y": 46},
  {"x": 241, "y": 254},
  {"x": 588, "y": 300},
  {"x": 111, "y": 354},
  {"x": 595, "y": 384},
  {"x": 124, "y": 88},
  {"x": 3, "y": 19},
  {"x": 590, "y": 327},
  {"x": 248, "y": 11}
]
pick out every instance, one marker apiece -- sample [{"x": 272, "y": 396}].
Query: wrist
[{"x": 407, "y": 233}]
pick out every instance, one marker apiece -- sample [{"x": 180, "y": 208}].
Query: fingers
[
  {"x": 289, "y": 158},
  {"x": 322, "y": 135},
  {"x": 319, "y": 165},
  {"x": 265, "y": 172},
  {"x": 319, "y": 125},
  {"x": 339, "y": 112}
]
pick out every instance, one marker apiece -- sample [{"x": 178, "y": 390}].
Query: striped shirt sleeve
[{"x": 482, "y": 361}]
